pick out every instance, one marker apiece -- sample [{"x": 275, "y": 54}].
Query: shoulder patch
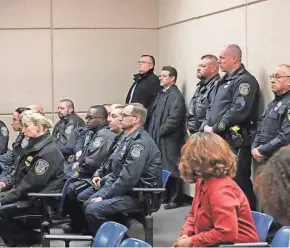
[
  {"x": 136, "y": 151},
  {"x": 244, "y": 89},
  {"x": 98, "y": 142},
  {"x": 69, "y": 129},
  {"x": 41, "y": 167},
  {"x": 4, "y": 131},
  {"x": 221, "y": 126}
]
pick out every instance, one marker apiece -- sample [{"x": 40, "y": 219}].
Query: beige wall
[
  {"x": 189, "y": 29},
  {"x": 85, "y": 50}
]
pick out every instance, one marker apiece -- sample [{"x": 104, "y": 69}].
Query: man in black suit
[
  {"x": 166, "y": 125},
  {"x": 146, "y": 83}
]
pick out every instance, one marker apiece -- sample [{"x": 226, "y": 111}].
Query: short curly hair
[
  {"x": 207, "y": 155},
  {"x": 272, "y": 186}
]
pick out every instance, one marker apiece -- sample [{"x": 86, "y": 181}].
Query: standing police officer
[
  {"x": 69, "y": 121},
  {"x": 207, "y": 72},
  {"x": 233, "y": 112},
  {"x": 140, "y": 163},
  {"x": 274, "y": 131}
]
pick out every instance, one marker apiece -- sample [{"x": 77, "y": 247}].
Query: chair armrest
[
  {"x": 45, "y": 195},
  {"x": 69, "y": 237},
  {"x": 148, "y": 189},
  {"x": 258, "y": 244}
]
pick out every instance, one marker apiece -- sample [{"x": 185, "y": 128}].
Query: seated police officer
[
  {"x": 39, "y": 169},
  {"x": 136, "y": 163},
  {"x": 7, "y": 159},
  {"x": 4, "y": 138},
  {"x": 98, "y": 140},
  {"x": 274, "y": 131},
  {"x": 69, "y": 121}
]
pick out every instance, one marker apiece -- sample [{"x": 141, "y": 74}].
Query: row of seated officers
[{"x": 127, "y": 157}]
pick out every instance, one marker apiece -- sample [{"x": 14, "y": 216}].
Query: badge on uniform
[
  {"x": 288, "y": 114},
  {"x": 24, "y": 142},
  {"x": 69, "y": 129},
  {"x": 136, "y": 151},
  {"x": 28, "y": 161},
  {"x": 41, "y": 167},
  {"x": 221, "y": 126},
  {"x": 244, "y": 89},
  {"x": 4, "y": 131},
  {"x": 98, "y": 142}
]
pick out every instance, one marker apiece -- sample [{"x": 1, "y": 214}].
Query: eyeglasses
[
  {"x": 126, "y": 115},
  {"x": 275, "y": 76},
  {"x": 89, "y": 117},
  {"x": 143, "y": 62}
]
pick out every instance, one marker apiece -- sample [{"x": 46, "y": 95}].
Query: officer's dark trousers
[
  {"x": 73, "y": 207},
  {"x": 174, "y": 190},
  {"x": 243, "y": 176},
  {"x": 16, "y": 232},
  {"x": 99, "y": 212}
]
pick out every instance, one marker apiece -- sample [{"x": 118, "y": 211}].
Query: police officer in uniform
[
  {"x": 68, "y": 123},
  {"x": 39, "y": 169},
  {"x": 7, "y": 159},
  {"x": 4, "y": 138},
  {"x": 233, "y": 112},
  {"x": 207, "y": 72},
  {"x": 274, "y": 131},
  {"x": 140, "y": 163},
  {"x": 98, "y": 140}
]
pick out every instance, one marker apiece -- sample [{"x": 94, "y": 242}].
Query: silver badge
[
  {"x": 69, "y": 129},
  {"x": 244, "y": 89},
  {"x": 98, "y": 142},
  {"x": 136, "y": 151},
  {"x": 41, "y": 167},
  {"x": 124, "y": 148},
  {"x": 4, "y": 131},
  {"x": 277, "y": 106}
]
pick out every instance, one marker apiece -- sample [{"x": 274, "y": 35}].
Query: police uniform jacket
[
  {"x": 145, "y": 88},
  {"x": 65, "y": 127},
  {"x": 136, "y": 163},
  {"x": 234, "y": 102},
  {"x": 39, "y": 168},
  {"x": 4, "y": 138},
  {"x": 274, "y": 131},
  {"x": 199, "y": 103},
  {"x": 96, "y": 147}
]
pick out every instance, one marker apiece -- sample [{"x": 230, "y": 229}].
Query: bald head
[
  {"x": 36, "y": 107},
  {"x": 230, "y": 58}
]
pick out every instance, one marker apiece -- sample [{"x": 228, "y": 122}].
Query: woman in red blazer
[{"x": 220, "y": 210}]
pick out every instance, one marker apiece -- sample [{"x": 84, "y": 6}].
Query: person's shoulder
[
  {"x": 246, "y": 76},
  {"x": 75, "y": 119},
  {"x": 106, "y": 132}
]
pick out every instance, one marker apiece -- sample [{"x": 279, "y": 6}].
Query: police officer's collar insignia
[
  {"x": 221, "y": 126},
  {"x": 227, "y": 84},
  {"x": 28, "y": 161},
  {"x": 98, "y": 142},
  {"x": 41, "y": 167},
  {"x": 244, "y": 89},
  {"x": 24, "y": 142},
  {"x": 69, "y": 129},
  {"x": 288, "y": 114},
  {"x": 136, "y": 151},
  {"x": 4, "y": 131}
]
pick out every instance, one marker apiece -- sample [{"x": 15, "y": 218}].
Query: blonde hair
[{"x": 36, "y": 118}]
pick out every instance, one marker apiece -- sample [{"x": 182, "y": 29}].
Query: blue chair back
[
  {"x": 109, "y": 234},
  {"x": 262, "y": 223},
  {"x": 165, "y": 177},
  {"x": 282, "y": 237},
  {"x": 130, "y": 242}
]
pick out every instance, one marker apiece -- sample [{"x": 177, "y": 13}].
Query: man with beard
[
  {"x": 207, "y": 72},
  {"x": 68, "y": 123}
]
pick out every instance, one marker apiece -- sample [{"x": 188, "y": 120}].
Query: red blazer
[{"x": 220, "y": 213}]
